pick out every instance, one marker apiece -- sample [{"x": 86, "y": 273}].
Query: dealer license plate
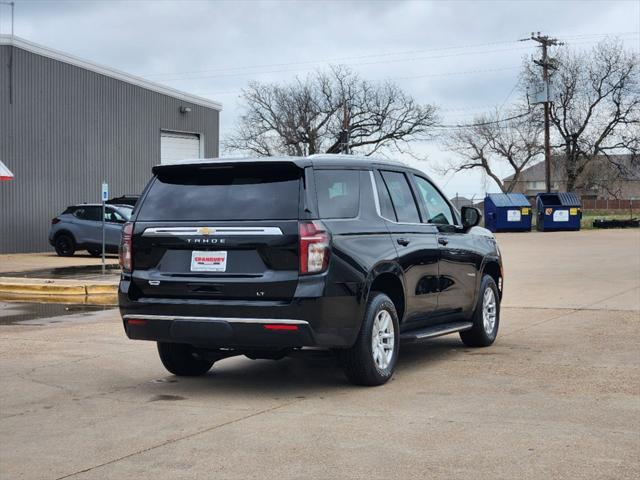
[{"x": 202, "y": 261}]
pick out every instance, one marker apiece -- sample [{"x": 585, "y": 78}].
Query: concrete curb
[{"x": 48, "y": 287}]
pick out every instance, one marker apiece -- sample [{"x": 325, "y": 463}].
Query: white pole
[{"x": 103, "y": 242}]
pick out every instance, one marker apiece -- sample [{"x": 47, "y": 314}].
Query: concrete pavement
[{"x": 557, "y": 396}]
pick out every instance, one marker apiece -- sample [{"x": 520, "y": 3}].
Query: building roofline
[{"x": 107, "y": 71}]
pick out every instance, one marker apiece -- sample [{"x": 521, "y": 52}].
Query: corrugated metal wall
[{"x": 66, "y": 129}]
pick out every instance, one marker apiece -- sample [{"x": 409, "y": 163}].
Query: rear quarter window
[{"x": 338, "y": 193}]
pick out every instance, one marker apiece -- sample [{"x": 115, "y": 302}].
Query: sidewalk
[
  {"x": 46, "y": 277},
  {"x": 19, "y": 262}
]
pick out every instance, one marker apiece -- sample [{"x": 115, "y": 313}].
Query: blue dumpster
[
  {"x": 507, "y": 212},
  {"x": 558, "y": 211}
]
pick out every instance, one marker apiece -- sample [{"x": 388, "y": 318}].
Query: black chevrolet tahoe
[{"x": 261, "y": 257}]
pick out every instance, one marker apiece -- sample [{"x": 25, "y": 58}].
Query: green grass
[{"x": 588, "y": 216}]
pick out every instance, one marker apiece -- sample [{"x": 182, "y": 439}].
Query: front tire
[
  {"x": 486, "y": 317},
  {"x": 95, "y": 253},
  {"x": 182, "y": 360},
  {"x": 372, "y": 359}
]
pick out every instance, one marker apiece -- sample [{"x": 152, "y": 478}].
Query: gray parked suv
[{"x": 79, "y": 227}]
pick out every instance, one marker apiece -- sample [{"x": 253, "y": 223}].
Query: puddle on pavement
[
  {"x": 84, "y": 272},
  {"x": 166, "y": 398},
  {"x": 16, "y": 313}
]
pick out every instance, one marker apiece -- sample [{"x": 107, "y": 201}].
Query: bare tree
[
  {"x": 491, "y": 143},
  {"x": 306, "y": 117},
  {"x": 596, "y": 109}
]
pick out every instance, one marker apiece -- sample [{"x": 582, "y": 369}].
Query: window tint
[
  {"x": 401, "y": 197},
  {"x": 89, "y": 213},
  {"x": 386, "y": 209},
  {"x": 114, "y": 216},
  {"x": 124, "y": 212},
  {"x": 255, "y": 192},
  {"x": 338, "y": 193},
  {"x": 438, "y": 210}
]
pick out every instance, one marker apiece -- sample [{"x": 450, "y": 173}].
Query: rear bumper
[
  {"x": 324, "y": 317},
  {"x": 220, "y": 331}
]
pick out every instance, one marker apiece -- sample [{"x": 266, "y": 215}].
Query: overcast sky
[{"x": 460, "y": 55}]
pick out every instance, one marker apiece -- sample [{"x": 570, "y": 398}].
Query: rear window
[
  {"x": 338, "y": 193},
  {"x": 232, "y": 193}
]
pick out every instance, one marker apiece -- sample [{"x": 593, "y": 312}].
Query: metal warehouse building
[{"x": 66, "y": 124}]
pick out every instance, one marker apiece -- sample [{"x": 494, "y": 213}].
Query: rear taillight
[
  {"x": 280, "y": 327},
  {"x": 126, "y": 248},
  {"x": 314, "y": 247},
  {"x": 55, "y": 220}
]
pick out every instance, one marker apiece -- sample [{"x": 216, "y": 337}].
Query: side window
[
  {"x": 386, "y": 208},
  {"x": 401, "y": 197},
  {"x": 438, "y": 210},
  {"x": 338, "y": 193},
  {"x": 112, "y": 216},
  {"x": 89, "y": 213},
  {"x": 94, "y": 214}
]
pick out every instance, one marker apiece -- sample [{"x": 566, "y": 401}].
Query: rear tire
[
  {"x": 372, "y": 359},
  {"x": 95, "y": 253},
  {"x": 183, "y": 360},
  {"x": 486, "y": 317},
  {"x": 65, "y": 245}
]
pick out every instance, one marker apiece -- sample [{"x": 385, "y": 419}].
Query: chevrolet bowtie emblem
[{"x": 205, "y": 231}]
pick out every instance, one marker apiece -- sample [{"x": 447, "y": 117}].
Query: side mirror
[{"x": 471, "y": 217}]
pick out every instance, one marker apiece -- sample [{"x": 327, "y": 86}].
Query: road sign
[{"x": 105, "y": 191}]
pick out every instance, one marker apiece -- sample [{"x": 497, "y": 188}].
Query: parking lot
[{"x": 557, "y": 396}]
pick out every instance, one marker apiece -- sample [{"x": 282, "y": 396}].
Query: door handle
[
  {"x": 403, "y": 241},
  {"x": 443, "y": 241}
]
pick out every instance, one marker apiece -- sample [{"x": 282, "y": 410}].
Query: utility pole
[
  {"x": 10, "y": 63},
  {"x": 545, "y": 42},
  {"x": 344, "y": 135}
]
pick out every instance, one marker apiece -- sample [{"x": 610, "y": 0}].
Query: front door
[{"x": 458, "y": 261}]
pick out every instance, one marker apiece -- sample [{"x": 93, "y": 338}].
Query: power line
[
  {"x": 255, "y": 69},
  {"x": 338, "y": 59},
  {"x": 379, "y": 62},
  {"x": 481, "y": 124},
  {"x": 356, "y": 64},
  {"x": 428, "y": 75}
]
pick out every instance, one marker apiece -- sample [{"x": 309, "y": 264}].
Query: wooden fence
[{"x": 606, "y": 204}]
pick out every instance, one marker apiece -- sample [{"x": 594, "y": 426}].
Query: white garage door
[{"x": 178, "y": 146}]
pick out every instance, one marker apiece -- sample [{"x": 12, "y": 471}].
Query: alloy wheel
[
  {"x": 382, "y": 339},
  {"x": 489, "y": 311}
]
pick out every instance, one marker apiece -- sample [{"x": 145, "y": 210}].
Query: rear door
[
  {"x": 227, "y": 232},
  {"x": 88, "y": 226},
  {"x": 415, "y": 243}
]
